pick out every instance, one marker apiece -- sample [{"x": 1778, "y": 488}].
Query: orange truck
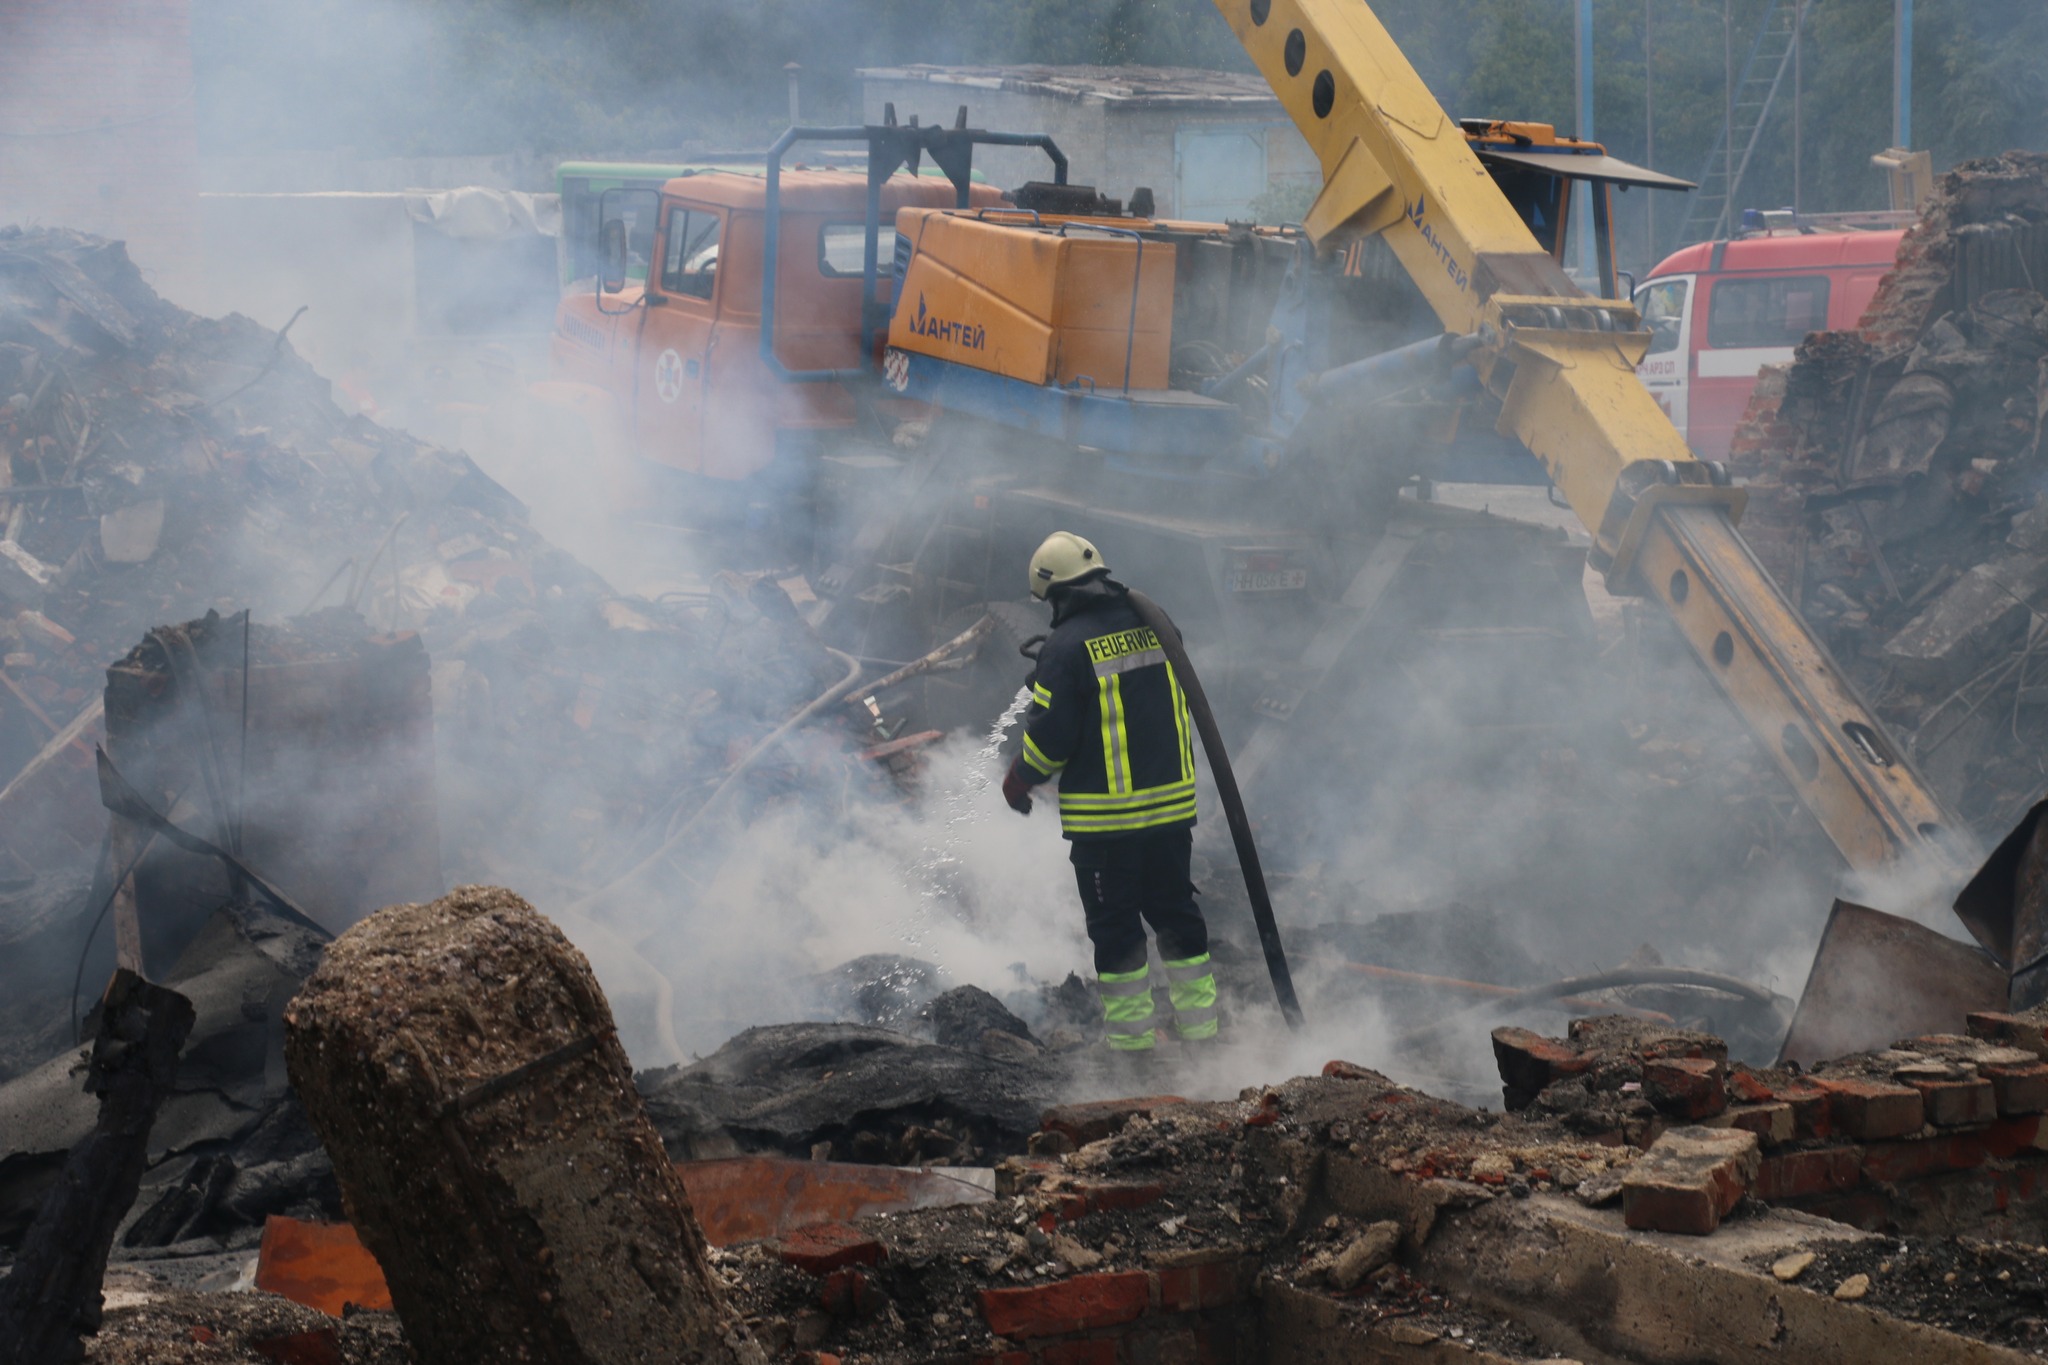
[{"x": 933, "y": 374}]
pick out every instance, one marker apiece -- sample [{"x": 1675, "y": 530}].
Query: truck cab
[
  {"x": 675, "y": 359},
  {"x": 1720, "y": 311}
]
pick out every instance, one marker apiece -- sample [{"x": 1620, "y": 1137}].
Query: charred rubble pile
[
  {"x": 448, "y": 695},
  {"x": 1897, "y": 480},
  {"x": 1642, "y": 1199},
  {"x": 161, "y": 465}
]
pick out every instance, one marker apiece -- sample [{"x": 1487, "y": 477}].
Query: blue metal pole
[
  {"x": 1902, "y": 73},
  {"x": 1582, "y": 210}
]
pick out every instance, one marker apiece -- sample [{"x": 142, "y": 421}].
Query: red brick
[
  {"x": 1868, "y": 1109},
  {"x": 1074, "y": 1305},
  {"x": 1685, "y": 1087},
  {"x": 1952, "y": 1103},
  {"x": 1796, "y": 1175},
  {"x": 2010, "y": 1030},
  {"x": 1689, "y": 1180},
  {"x": 845, "y": 1293},
  {"x": 1098, "y": 1119},
  {"x": 1172, "y": 1347},
  {"x": 1528, "y": 1061},
  {"x": 1811, "y": 1119},
  {"x": 2018, "y": 1089},
  {"x": 322, "y": 1346},
  {"x": 1893, "y": 1162},
  {"x": 1098, "y": 1352},
  {"x": 826, "y": 1247},
  {"x": 1350, "y": 1071},
  {"x": 1771, "y": 1122},
  {"x": 1744, "y": 1085},
  {"x": 1190, "y": 1288},
  {"x": 1102, "y": 1196}
]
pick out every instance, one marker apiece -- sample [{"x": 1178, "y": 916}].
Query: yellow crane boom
[{"x": 1562, "y": 365}]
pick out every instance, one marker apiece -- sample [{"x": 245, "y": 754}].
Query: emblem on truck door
[{"x": 668, "y": 375}]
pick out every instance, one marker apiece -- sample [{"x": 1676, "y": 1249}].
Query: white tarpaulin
[{"x": 474, "y": 213}]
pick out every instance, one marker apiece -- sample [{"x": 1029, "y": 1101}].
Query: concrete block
[
  {"x": 1689, "y": 1180},
  {"x": 1981, "y": 613},
  {"x": 1370, "y": 1250}
]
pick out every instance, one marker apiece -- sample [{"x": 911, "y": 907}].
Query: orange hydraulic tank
[{"x": 1047, "y": 303}]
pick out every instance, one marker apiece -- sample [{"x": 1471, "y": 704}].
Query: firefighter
[{"x": 1108, "y": 719}]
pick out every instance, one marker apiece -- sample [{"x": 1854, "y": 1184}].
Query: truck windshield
[
  {"x": 690, "y": 264},
  {"x": 1778, "y": 311},
  {"x": 1663, "y": 307}
]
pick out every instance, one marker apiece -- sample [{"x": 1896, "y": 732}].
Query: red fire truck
[{"x": 1719, "y": 311}]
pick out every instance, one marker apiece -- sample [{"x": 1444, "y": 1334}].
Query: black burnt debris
[{"x": 1896, "y": 479}]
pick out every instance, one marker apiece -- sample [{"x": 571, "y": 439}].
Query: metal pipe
[
  {"x": 1584, "y": 190},
  {"x": 1452, "y": 983},
  {"x": 1402, "y": 367},
  {"x": 1600, "y": 981},
  {"x": 1902, "y": 74}
]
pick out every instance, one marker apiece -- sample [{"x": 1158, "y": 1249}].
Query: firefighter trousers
[{"x": 1127, "y": 883}]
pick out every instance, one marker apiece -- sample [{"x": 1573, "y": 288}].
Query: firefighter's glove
[{"x": 1017, "y": 788}]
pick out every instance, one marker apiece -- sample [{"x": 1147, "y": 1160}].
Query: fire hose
[{"x": 1233, "y": 802}]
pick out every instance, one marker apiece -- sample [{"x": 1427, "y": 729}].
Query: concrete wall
[{"x": 97, "y": 127}]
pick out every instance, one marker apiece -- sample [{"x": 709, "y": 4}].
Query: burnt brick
[
  {"x": 1770, "y": 1121},
  {"x": 1958, "y": 1101},
  {"x": 1098, "y": 1119},
  {"x": 1685, "y": 1087},
  {"x": 1207, "y": 1284},
  {"x": 1689, "y": 1180},
  {"x": 1798, "y": 1175},
  {"x": 321, "y": 1346},
  {"x": 1529, "y": 1062},
  {"x": 2011, "y": 1030},
  {"x": 826, "y": 1247},
  {"x": 2020, "y": 1089},
  {"x": 1869, "y": 1110},
  {"x": 1074, "y": 1305}
]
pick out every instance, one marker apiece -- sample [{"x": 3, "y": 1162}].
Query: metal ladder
[{"x": 1712, "y": 212}]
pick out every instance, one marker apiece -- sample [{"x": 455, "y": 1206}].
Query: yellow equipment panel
[{"x": 1047, "y": 303}]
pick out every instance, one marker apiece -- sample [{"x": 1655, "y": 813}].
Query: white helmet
[{"x": 1064, "y": 559}]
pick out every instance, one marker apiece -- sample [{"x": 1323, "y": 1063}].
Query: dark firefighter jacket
[{"x": 1107, "y": 718}]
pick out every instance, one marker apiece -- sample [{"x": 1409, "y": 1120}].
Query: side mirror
[
  {"x": 612, "y": 240},
  {"x": 1625, "y": 275}
]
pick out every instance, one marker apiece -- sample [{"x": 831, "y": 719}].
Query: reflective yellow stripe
[
  {"x": 1114, "y": 824},
  {"x": 1042, "y": 695},
  {"x": 1197, "y": 1031},
  {"x": 1116, "y": 742},
  {"x": 1180, "y": 724},
  {"x": 1035, "y": 756},
  {"x": 1131, "y": 1042},
  {"x": 1199, "y": 994},
  {"x": 1127, "y": 1009},
  {"x": 1105, "y": 801},
  {"x": 1120, "y": 978}
]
